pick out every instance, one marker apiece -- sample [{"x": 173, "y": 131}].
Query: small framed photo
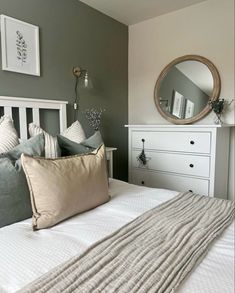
[
  {"x": 189, "y": 109},
  {"x": 164, "y": 104},
  {"x": 178, "y": 105},
  {"x": 20, "y": 46}
]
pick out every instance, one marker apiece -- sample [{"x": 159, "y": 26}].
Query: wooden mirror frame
[{"x": 214, "y": 96}]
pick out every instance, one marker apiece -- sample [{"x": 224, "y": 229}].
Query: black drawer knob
[
  {"x": 191, "y": 165},
  {"x": 142, "y": 182},
  {"x": 143, "y": 140},
  {"x": 190, "y": 190},
  {"x": 192, "y": 142}
]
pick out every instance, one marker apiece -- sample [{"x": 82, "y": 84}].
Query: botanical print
[{"x": 21, "y": 48}]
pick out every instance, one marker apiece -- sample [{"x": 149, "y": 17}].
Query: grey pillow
[
  {"x": 70, "y": 148},
  {"x": 15, "y": 202}
]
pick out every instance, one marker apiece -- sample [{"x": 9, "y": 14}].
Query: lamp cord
[{"x": 75, "y": 104}]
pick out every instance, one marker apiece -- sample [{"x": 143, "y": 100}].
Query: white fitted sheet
[{"x": 25, "y": 254}]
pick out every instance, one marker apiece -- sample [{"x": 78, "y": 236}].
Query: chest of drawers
[{"x": 192, "y": 157}]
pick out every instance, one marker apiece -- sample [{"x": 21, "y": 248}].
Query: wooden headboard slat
[
  {"x": 36, "y": 116},
  {"x": 8, "y": 111},
  {"x": 23, "y": 123}
]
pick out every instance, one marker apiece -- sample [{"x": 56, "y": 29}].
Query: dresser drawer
[
  {"x": 194, "y": 142},
  {"x": 168, "y": 181},
  {"x": 175, "y": 163}
]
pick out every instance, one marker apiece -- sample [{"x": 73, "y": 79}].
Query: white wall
[{"x": 205, "y": 29}]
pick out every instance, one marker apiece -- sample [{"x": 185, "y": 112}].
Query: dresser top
[{"x": 177, "y": 126}]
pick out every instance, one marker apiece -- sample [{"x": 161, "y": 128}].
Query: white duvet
[{"x": 25, "y": 254}]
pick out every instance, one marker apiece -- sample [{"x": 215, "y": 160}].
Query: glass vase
[{"x": 218, "y": 119}]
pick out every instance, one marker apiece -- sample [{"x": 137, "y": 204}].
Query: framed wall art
[
  {"x": 20, "y": 46},
  {"x": 178, "y": 104},
  {"x": 189, "y": 109}
]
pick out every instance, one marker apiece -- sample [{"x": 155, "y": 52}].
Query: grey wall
[
  {"x": 73, "y": 34},
  {"x": 176, "y": 80}
]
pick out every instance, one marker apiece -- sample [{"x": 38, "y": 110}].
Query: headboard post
[{"x": 63, "y": 117}]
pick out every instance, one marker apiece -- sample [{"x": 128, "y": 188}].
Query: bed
[{"x": 26, "y": 254}]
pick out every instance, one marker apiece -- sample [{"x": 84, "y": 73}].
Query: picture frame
[
  {"x": 178, "y": 103},
  {"x": 189, "y": 109},
  {"x": 164, "y": 104},
  {"x": 20, "y": 46}
]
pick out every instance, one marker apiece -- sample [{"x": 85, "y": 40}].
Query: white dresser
[{"x": 191, "y": 157}]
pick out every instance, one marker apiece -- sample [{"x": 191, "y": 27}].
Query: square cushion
[
  {"x": 69, "y": 148},
  {"x": 74, "y": 133},
  {"x": 63, "y": 187},
  {"x": 8, "y": 134},
  {"x": 15, "y": 202}
]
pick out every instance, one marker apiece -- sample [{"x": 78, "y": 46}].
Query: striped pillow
[
  {"x": 8, "y": 134},
  {"x": 52, "y": 150}
]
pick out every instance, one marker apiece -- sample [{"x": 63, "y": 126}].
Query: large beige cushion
[{"x": 62, "y": 187}]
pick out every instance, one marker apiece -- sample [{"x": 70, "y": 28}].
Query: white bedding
[{"x": 25, "y": 254}]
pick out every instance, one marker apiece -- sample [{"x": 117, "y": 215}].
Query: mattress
[{"x": 26, "y": 254}]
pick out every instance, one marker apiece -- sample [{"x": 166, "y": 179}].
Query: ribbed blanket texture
[{"x": 153, "y": 253}]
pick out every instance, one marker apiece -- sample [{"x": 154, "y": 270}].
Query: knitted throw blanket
[{"x": 153, "y": 253}]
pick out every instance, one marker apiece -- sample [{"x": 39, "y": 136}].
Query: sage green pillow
[
  {"x": 15, "y": 202},
  {"x": 70, "y": 148}
]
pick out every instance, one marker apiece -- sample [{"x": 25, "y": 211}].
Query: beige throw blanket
[{"x": 153, "y": 253}]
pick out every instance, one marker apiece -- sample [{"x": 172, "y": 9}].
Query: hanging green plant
[
  {"x": 142, "y": 157},
  {"x": 219, "y": 107}
]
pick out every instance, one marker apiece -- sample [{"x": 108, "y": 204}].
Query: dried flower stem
[{"x": 94, "y": 117}]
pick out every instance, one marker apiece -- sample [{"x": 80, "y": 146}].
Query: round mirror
[{"x": 184, "y": 88}]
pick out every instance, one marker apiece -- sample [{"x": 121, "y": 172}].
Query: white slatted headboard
[{"x": 35, "y": 104}]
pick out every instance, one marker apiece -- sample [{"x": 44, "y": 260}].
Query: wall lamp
[{"x": 81, "y": 77}]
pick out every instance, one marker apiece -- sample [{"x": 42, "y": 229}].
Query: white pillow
[
  {"x": 8, "y": 134},
  {"x": 75, "y": 132},
  {"x": 52, "y": 150}
]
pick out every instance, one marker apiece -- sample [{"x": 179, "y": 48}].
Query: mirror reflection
[{"x": 185, "y": 89}]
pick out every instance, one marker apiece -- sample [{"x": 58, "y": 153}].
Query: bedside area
[
  {"x": 184, "y": 158},
  {"x": 109, "y": 157}
]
